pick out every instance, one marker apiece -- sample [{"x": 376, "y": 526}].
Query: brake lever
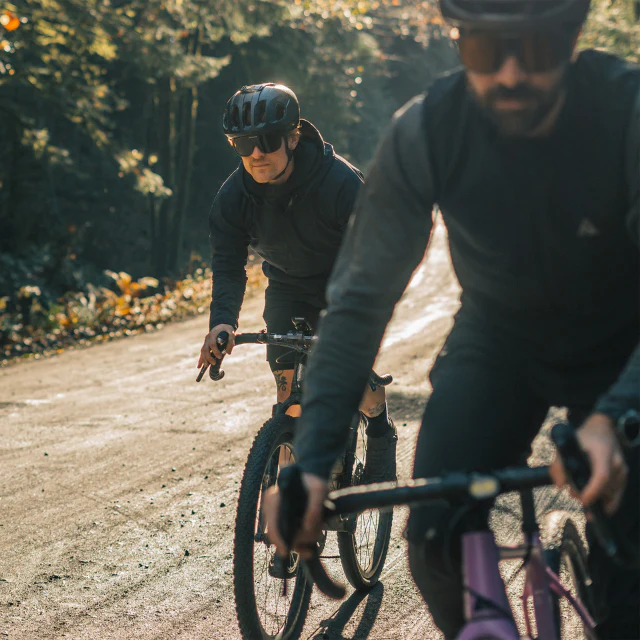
[
  {"x": 293, "y": 505},
  {"x": 215, "y": 373},
  {"x": 578, "y": 470}
]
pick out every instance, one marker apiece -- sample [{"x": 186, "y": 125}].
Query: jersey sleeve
[
  {"x": 229, "y": 252},
  {"x": 385, "y": 242}
]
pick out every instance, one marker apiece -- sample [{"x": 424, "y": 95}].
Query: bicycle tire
[
  {"x": 363, "y": 563},
  {"x": 566, "y": 556},
  {"x": 249, "y": 541}
]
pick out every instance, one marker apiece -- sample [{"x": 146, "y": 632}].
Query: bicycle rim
[
  {"x": 363, "y": 552},
  {"x": 568, "y": 560},
  {"x": 265, "y": 611}
]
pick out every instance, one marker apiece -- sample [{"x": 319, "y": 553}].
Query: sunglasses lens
[
  {"x": 542, "y": 52},
  {"x": 270, "y": 142},
  {"x": 245, "y": 145},
  {"x": 537, "y": 52},
  {"x": 480, "y": 52}
]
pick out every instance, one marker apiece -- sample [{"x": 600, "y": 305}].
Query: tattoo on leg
[{"x": 281, "y": 380}]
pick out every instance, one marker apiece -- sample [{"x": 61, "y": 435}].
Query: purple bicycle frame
[{"x": 482, "y": 581}]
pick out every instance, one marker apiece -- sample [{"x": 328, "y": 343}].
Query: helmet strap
[{"x": 289, "y": 158}]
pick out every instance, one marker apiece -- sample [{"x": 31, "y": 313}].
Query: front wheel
[
  {"x": 567, "y": 558},
  {"x": 264, "y": 607},
  {"x": 364, "y": 550}
]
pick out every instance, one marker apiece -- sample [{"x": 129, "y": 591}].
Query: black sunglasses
[
  {"x": 267, "y": 143},
  {"x": 484, "y": 52}
]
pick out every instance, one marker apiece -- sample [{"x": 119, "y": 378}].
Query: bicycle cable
[
  {"x": 494, "y": 605},
  {"x": 523, "y": 564}
]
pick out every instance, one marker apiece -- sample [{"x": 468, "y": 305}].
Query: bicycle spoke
[{"x": 273, "y": 607}]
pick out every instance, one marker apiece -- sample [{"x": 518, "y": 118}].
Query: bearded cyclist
[
  {"x": 532, "y": 152},
  {"x": 290, "y": 200}
]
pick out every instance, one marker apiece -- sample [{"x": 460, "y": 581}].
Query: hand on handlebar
[
  {"x": 597, "y": 437},
  {"x": 210, "y": 351},
  {"x": 311, "y": 529}
]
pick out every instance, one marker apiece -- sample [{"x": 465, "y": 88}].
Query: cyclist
[
  {"x": 290, "y": 200},
  {"x": 532, "y": 152}
]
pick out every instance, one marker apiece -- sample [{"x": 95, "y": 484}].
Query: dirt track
[{"x": 119, "y": 477}]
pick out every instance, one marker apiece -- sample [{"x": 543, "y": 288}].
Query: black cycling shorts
[{"x": 282, "y": 303}]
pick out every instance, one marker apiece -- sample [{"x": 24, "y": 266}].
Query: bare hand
[
  {"x": 311, "y": 531},
  {"x": 210, "y": 351},
  {"x": 608, "y": 468}
]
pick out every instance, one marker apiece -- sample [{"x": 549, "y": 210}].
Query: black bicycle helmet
[
  {"x": 516, "y": 14},
  {"x": 261, "y": 109}
]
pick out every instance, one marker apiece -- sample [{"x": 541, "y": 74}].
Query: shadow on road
[
  {"x": 405, "y": 406},
  {"x": 333, "y": 627}
]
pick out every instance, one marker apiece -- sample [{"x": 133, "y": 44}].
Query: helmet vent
[
  {"x": 246, "y": 114},
  {"x": 260, "y": 116},
  {"x": 281, "y": 109},
  {"x": 235, "y": 116}
]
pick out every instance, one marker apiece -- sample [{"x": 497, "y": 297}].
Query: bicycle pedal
[
  {"x": 283, "y": 569},
  {"x": 342, "y": 525}
]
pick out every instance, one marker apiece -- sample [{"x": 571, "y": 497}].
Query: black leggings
[
  {"x": 282, "y": 303},
  {"x": 489, "y": 400}
]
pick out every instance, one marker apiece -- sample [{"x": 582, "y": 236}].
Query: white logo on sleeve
[{"x": 587, "y": 229}]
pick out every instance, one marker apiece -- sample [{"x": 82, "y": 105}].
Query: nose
[
  {"x": 510, "y": 74},
  {"x": 256, "y": 153}
]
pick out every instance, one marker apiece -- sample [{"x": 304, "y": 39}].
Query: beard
[{"x": 538, "y": 104}]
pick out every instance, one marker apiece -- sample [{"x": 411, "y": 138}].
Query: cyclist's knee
[
  {"x": 431, "y": 563},
  {"x": 439, "y": 584},
  {"x": 434, "y": 548},
  {"x": 424, "y": 559}
]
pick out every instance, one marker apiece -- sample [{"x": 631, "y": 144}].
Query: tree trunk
[
  {"x": 13, "y": 227},
  {"x": 177, "y": 110},
  {"x": 166, "y": 153},
  {"x": 187, "y": 147}
]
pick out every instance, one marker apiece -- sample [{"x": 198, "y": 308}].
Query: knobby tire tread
[
  {"x": 346, "y": 543},
  {"x": 273, "y": 431},
  {"x": 567, "y": 541}
]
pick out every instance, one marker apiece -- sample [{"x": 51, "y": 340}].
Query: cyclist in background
[
  {"x": 532, "y": 152},
  {"x": 290, "y": 200}
]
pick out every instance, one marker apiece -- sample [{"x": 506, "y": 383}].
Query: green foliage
[
  {"x": 110, "y": 143},
  {"x": 35, "y": 328},
  {"x": 111, "y": 110},
  {"x": 614, "y": 27}
]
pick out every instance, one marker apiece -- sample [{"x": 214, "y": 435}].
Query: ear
[{"x": 292, "y": 140}]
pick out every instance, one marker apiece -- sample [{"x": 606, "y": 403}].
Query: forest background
[{"x": 111, "y": 148}]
